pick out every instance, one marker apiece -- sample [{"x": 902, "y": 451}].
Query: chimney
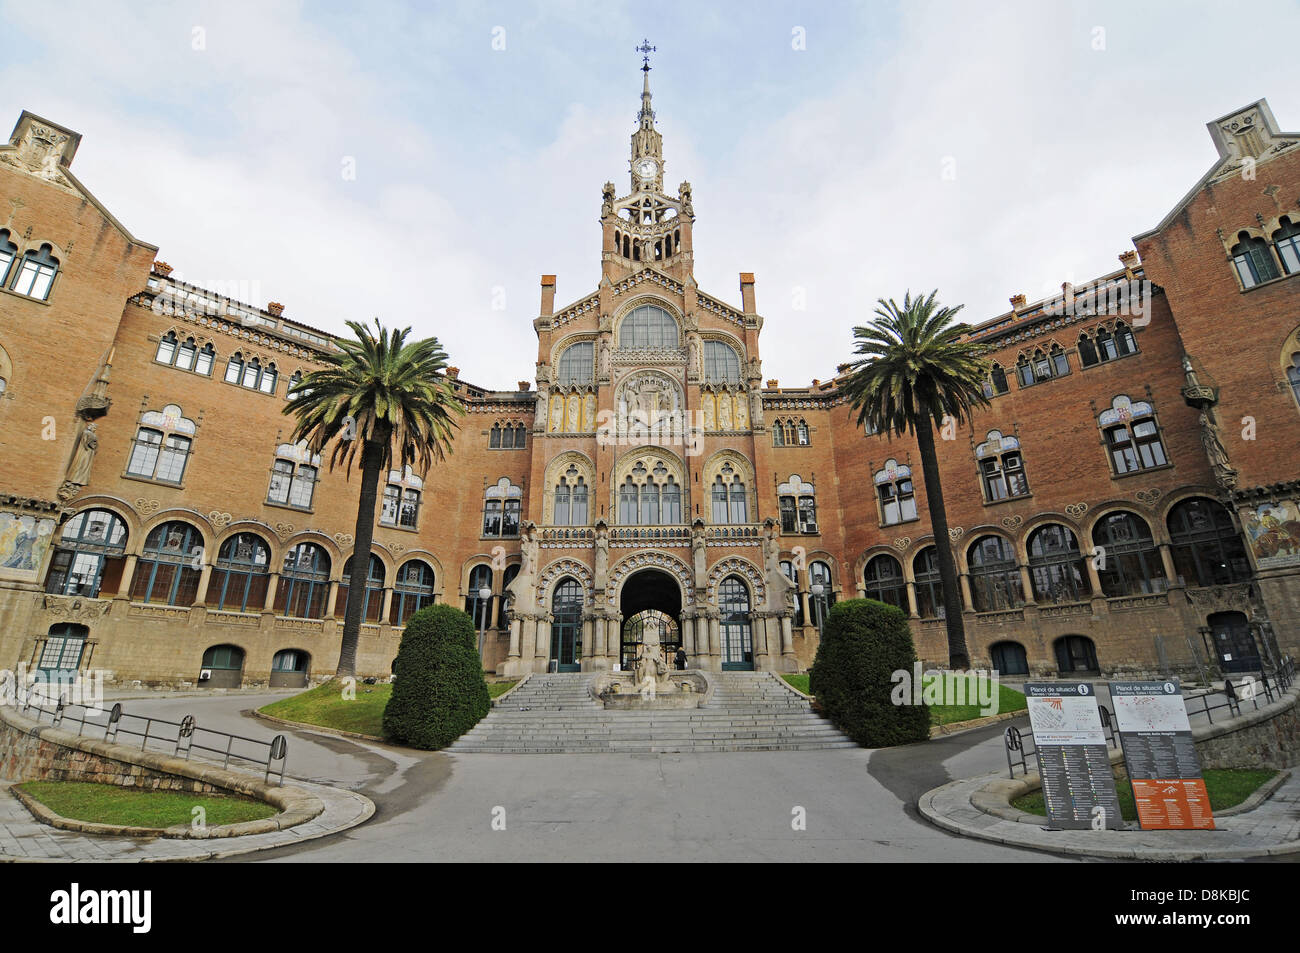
[
  {"x": 548, "y": 296},
  {"x": 453, "y": 373},
  {"x": 162, "y": 268},
  {"x": 747, "y": 292},
  {"x": 1017, "y": 301},
  {"x": 1129, "y": 259},
  {"x": 525, "y": 385},
  {"x": 774, "y": 383},
  {"x": 275, "y": 308}
]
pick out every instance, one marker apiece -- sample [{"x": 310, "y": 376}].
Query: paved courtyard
[{"x": 735, "y": 806}]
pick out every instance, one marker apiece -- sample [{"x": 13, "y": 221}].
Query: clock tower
[{"x": 646, "y": 227}]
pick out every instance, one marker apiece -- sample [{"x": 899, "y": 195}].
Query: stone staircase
[{"x": 555, "y": 713}]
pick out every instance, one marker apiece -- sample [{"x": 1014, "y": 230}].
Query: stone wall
[
  {"x": 30, "y": 751},
  {"x": 1268, "y": 738}
]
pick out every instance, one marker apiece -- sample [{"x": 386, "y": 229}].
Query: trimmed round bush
[
  {"x": 863, "y": 644},
  {"x": 439, "y": 692}
]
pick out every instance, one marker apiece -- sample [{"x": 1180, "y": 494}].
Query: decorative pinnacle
[{"x": 645, "y": 49}]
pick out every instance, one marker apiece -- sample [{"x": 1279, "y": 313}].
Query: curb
[
  {"x": 267, "y": 825},
  {"x": 957, "y": 727},
  {"x": 338, "y": 732}
]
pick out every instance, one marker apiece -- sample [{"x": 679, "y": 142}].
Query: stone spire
[{"x": 647, "y": 162}]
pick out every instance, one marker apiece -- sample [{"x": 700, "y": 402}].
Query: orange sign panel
[{"x": 1176, "y": 804}]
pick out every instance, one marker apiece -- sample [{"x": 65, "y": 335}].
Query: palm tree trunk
[
  {"x": 372, "y": 454},
  {"x": 958, "y": 658}
]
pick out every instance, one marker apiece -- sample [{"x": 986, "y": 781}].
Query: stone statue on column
[
  {"x": 601, "y": 556},
  {"x": 699, "y": 556},
  {"x": 1224, "y": 473}
]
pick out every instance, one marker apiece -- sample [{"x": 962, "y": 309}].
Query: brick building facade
[{"x": 1127, "y": 503}]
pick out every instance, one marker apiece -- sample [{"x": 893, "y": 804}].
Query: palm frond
[
  {"x": 912, "y": 362},
  {"x": 395, "y": 394}
]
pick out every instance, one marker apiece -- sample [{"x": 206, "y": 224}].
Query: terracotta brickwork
[{"x": 649, "y": 394}]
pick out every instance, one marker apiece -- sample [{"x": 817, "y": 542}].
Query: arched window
[
  {"x": 628, "y": 508},
  {"x": 501, "y": 509},
  {"x": 239, "y": 579},
  {"x": 577, "y": 365},
  {"x": 1132, "y": 437},
  {"x": 1106, "y": 350},
  {"x": 37, "y": 273},
  {"x": 1087, "y": 351},
  {"x": 929, "y": 587},
  {"x": 293, "y": 476},
  {"x": 566, "y": 629},
  {"x": 801, "y": 437},
  {"x": 670, "y": 508},
  {"x": 290, "y": 661},
  {"x": 168, "y": 570},
  {"x": 166, "y": 348},
  {"x": 648, "y": 326},
  {"x": 797, "y": 503},
  {"x": 224, "y": 666},
  {"x": 1056, "y": 568},
  {"x": 478, "y": 608},
  {"x": 1126, "y": 556},
  {"x": 895, "y": 494},
  {"x": 162, "y": 446},
  {"x": 736, "y": 631},
  {"x": 1124, "y": 342},
  {"x": 883, "y": 581},
  {"x": 61, "y": 655},
  {"x": 89, "y": 556},
  {"x": 1253, "y": 260},
  {"x": 721, "y": 363},
  {"x": 739, "y": 505},
  {"x": 819, "y": 574},
  {"x": 1024, "y": 372},
  {"x": 401, "y": 503},
  {"x": 412, "y": 591},
  {"x": 1293, "y": 377},
  {"x": 235, "y": 368},
  {"x": 8, "y": 251},
  {"x": 788, "y": 570},
  {"x": 778, "y": 433},
  {"x": 374, "y": 590},
  {"x": 997, "y": 382},
  {"x": 1207, "y": 549},
  {"x": 1009, "y": 658},
  {"x": 994, "y": 577},
  {"x": 571, "y": 499},
  {"x": 1002, "y": 468},
  {"x": 304, "y": 582},
  {"x": 1287, "y": 242}
]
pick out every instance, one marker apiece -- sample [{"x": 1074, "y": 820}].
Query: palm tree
[
  {"x": 916, "y": 368},
  {"x": 377, "y": 392}
]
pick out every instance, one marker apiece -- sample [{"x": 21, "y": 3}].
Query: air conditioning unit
[
  {"x": 205, "y": 675},
  {"x": 809, "y": 528}
]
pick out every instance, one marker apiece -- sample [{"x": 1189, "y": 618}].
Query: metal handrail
[{"x": 180, "y": 736}]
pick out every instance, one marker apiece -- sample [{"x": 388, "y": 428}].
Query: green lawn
[
  {"x": 1008, "y": 700},
  {"x": 798, "y": 681},
  {"x": 326, "y": 707},
  {"x": 111, "y": 804},
  {"x": 1226, "y": 789}
]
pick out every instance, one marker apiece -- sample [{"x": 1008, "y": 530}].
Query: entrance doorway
[
  {"x": 1232, "y": 642},
  {"x": 566, "y": 627},
  {"x": 650, "y": 598},
  {"x": 737, "y": 631}
]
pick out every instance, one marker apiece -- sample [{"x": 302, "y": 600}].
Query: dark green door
[
  {"x": 737, "y": 632},
  {"x": 566, "y": 627}
]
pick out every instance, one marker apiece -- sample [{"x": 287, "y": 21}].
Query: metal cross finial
[{"x": 645, "y": 49}]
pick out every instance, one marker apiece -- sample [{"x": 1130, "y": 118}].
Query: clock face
[{"x": 647, "y": 168}]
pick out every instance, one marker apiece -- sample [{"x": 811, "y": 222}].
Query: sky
[{"x": 426, "y": 163}]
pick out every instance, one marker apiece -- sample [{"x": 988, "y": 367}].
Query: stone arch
[
  {"x": 650, "y": 457},
  {"x": 644, "y": 298},
  {"x": 746, "y": 570},
  {"x": 331, "y": 547},
  {"x": 651, "y": 559},
  {"x": 179, "y": 515},
  {"x": 558, "y": 570},
  {"x": 118, "y": 507}
]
